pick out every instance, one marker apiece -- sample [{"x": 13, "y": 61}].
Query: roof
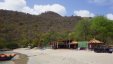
[
  {"x": 74, "y": 42},
  {"x": 94, "y": 41}
]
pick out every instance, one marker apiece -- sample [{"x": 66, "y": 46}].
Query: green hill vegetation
[{"x": 19, "y": 29}]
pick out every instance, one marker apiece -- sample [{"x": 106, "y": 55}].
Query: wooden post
[
  {"x": 69, "y": 39},
  {"x": 69, "y": 44},
  {"x": 57, "y": 44}
]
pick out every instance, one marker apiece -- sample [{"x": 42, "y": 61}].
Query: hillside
[
  {"x": 48, "y": 21},
  {"x": 22, "y": 27}
]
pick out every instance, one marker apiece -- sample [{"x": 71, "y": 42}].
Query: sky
[{"x": 83, "y": 8}]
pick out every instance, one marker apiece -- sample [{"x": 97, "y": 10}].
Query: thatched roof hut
[{"x": 95, "y": 41}]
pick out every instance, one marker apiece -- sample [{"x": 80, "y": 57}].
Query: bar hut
[
  {"x": 73, "y": 45},
  {"x": 64, "y": 44},
  {"x": 94, "y": 43}
]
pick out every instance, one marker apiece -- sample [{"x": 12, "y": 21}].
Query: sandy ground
[
  {"x": 6, "y": 62},
  {"x": 63, "y": 56},
  {"x": 20, "y": 59}
]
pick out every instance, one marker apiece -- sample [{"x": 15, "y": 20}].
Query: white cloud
[
  {"x": 84, "y": 13},
  {"x": 29, "y": 10},
  {"x": 20, "y": 5},
  {"x": 109, "y": 16},
  {"x": 55, "y": 8},
  {"x": 12, "y": 4}
]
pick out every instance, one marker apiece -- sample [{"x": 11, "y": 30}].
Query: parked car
[{"x": 103, "y": 49}]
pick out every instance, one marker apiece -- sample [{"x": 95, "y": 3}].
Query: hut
[
  {"x": 73, "y": 44},
  {"x": 54, "y": 45},
  {"x": 94, "y": 43},
  {"x": 65, "y": 44}
]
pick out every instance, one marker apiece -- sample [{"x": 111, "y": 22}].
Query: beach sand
[
  {"x": 21, "y": 59},
  {"x": 65, "y": 56}
]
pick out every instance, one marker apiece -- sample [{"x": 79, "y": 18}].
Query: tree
[
  {"x": 82, "y": 29},
  {"x": 101, "y": 28}
]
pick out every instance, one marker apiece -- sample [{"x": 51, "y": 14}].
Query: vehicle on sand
[{"x": 103, "y": 49}]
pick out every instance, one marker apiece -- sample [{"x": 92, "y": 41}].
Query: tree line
[{"x": 98, "y": 27}]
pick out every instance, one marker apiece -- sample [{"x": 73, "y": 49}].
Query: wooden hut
[
  {"x": 93, "y": 43},
  {"x": 65, "y": 44},
  {"x": 73, "y": 44}
]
